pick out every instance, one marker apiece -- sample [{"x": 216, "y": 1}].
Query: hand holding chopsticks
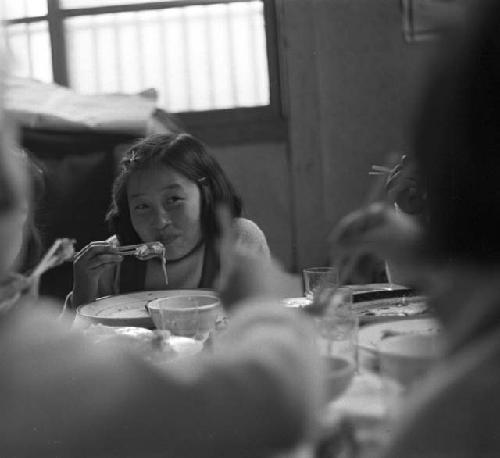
[{"x": 351, "y": 238}]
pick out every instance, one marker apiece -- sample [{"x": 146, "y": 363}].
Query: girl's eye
[
  {"x": 173, "y": 200},
  {"x": 141, "y": 207}
]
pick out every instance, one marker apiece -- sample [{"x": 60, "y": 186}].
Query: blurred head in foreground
[
  {"x": 457, "y": 145},
  {"x": 14, "y": 198}
]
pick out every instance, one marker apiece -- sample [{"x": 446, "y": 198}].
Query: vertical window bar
[
  {"x": 187, "y": 67},
  {"x": 271, "y": 25},
  {"x": 251, "y": 24},
  {"x": 208, "y": 38},
  {"x": 140, "y": 48},
  {"x": 29, "y": 50},
  {"x": 25, "y": 8},
  {"x": 261, "y": 68},
  {"x": 230, "y": 55},
  {"x": 118, "y": 61},
  {"x": 57, "y": 42},
  {"x": 165, "y": 96},
  {"x": 95, "y": 54}
]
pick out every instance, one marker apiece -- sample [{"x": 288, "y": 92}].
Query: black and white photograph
[{"x": 249, "y": 228}]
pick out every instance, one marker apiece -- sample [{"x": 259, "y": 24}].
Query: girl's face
[{"x": 165, "y": 206}]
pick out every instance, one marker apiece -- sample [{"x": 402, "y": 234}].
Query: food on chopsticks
[
  {"x": 143, "y": 251},
  {"x": 146, "y": 251}
]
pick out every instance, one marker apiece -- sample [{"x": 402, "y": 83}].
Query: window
[{"x": 213, "y": 62}]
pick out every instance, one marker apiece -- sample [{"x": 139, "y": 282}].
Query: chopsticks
[
  {"x": 127, "y": 250},
  {"x": 380, "y": 170}
]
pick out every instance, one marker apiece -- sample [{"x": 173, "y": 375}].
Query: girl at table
[
  {"x": 455, "y": 412},
  {"x": 166, "y": 191}
]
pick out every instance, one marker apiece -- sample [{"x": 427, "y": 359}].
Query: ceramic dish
[
  {"x": 370, "y": 336},
  {"x": 130, "y": 309}
]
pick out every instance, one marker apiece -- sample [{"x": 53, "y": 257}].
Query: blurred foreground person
[
  {"x": 456, "y": 255},
  {"x": 61, "y": 396},
  {"x": 23, "y": 242}
]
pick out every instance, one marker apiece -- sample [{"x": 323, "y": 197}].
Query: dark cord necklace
[{"x": 189, "y": 253}]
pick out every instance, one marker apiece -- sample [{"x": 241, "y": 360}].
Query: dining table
[{"x": 359, "y": 421}]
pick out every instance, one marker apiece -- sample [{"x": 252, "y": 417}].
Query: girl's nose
[{"x": 162, "y": 219}]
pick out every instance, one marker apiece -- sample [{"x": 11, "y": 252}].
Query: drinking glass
[
  {"x": 337, "y": 336},
  {"x": 319, "y": 279}
]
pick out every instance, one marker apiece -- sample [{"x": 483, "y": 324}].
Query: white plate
[
  {"x": 130, "y": 309},
  {"x": 370, "y": 336}
]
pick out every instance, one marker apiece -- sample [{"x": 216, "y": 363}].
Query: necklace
[{"x": 189, "y": 253}]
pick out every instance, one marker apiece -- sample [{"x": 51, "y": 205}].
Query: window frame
[{"x": 219, "y": 126}]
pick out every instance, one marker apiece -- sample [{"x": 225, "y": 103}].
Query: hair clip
[{"x": 133, "y": 156}]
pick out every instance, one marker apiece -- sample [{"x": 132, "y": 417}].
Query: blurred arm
[{"x": 61, "y": 397}]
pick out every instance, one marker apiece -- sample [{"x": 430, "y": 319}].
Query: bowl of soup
[{"x": 192, "y": 315}]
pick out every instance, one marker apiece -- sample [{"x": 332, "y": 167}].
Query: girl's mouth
[{"x": 168, "y": 239}]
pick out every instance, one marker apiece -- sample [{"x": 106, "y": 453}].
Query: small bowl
[
  {"x": 187, "y": 316},
  {"x": 339, "y": 374},
  {"x": 407, "y": 358}
]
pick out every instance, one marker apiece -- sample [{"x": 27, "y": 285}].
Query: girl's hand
[{"x": 88, "y": 266}]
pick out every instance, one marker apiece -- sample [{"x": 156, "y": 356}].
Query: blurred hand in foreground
[
  {"x": 380, "y": 230},
  {"x": 403, "y": 188},
  {"x": 12, "y": 287},
  {"x": 243, "y": 273}
]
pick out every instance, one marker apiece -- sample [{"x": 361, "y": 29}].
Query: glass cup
[
  {"x": 337, "y": 333},
  {"x": 319, "y": 279}
]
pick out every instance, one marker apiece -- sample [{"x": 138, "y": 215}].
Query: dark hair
[
  {"x": 186, "y": 155},
  {"x": 457, "y": 145}
]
